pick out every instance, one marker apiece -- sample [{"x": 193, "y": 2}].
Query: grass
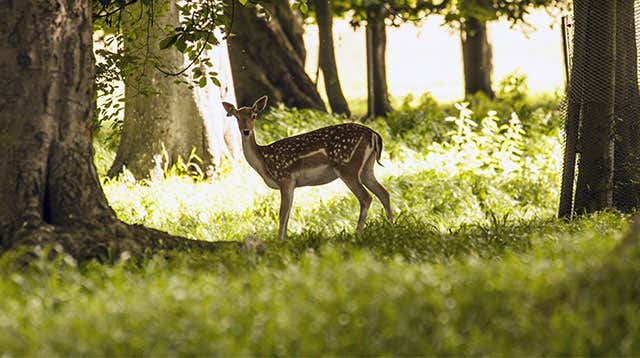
[
  {"x": 474, "y": 265},
  {"x": 532, "y": 288}
]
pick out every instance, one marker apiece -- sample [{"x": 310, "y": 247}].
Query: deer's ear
[
  {"x": 260, "y": 104},
  {"x": 231, "y": 109}
]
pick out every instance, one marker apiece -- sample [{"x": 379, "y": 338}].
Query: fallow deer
[{"x": 347, "y": 151}]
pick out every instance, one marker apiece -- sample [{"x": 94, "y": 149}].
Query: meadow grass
[{"x": 475, "y": 264}]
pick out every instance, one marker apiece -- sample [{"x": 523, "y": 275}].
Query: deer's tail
[{"x": 377, "y": 146}]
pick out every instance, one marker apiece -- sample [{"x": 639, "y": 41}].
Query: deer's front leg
[{"x": 286, "y": 200}]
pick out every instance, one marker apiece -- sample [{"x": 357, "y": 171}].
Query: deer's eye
[{"x": 253, "y": 116}]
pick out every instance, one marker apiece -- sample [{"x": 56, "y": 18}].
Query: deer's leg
[
  {"x": 286, "y": 200},
  {"x": 369, "y": 180},
  {"x": 364, "y": 198}
]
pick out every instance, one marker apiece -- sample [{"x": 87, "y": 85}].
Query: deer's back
[
  {"x": 335, "y": 143},
  {"x": 334, "y": 138}
]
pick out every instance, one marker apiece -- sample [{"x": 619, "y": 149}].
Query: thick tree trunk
[
  {"x": 49, "y": 189},
  {"x": 327, "y": 58},
  {"x": 165, "y": 117},
  {"x": 595, "y": 168},
  {"x": 477, "y": 58},
  {"x": 266, "y": 61},
  {"x": 378, "y": 104},
  {"x": 626, "y": 195}
]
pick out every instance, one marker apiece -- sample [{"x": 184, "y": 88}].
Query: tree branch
[{"x": 103, "y": 14}]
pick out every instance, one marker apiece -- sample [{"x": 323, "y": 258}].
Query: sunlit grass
[{"x": 472, "y": 173}]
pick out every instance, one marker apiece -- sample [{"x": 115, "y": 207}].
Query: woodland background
[{"x": 477, "y": 262}]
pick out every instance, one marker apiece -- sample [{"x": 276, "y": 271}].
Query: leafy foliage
[
  {"x": 396, "y": 11},
  {"x": 454, "y": 11},
  {"x": 514, "y": 11},
  {"x": 133, "y": 44}
]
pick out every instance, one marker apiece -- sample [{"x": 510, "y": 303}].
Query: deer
[{"x": 346, "y": 151}]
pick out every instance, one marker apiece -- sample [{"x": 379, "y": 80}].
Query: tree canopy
[{"x": 515, "y": 11}]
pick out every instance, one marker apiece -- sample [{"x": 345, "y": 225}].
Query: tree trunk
[
  {"x": 49, "y": 189},
  {"x": 327, "y": 58},
  {"x": 626, "y": 195},
  {"x": 595, "y": 168},
  {"x": 477, "y": 58},
  {"x": 575, "y": 92},
  {"x": 378, "y": 104},
  {"x": 265, "y": 61},
  {"x": 290, "y": 23},
  {"x": 165, "y": 120}
]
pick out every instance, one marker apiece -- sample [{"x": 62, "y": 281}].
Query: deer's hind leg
[
  {"x": 364, "y": 198},
  {"x": 369, "y": 180},
  {"x": 349, "y": 173}
]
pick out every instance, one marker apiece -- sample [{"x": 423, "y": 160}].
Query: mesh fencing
[{"x": 602, "y": 107}]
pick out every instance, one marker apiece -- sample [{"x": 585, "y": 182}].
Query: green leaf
[
  {"x": 304, "y": 8},
  {"x": 181, "y": 44},
  {"x": 168, "y": 42},
  {"x": 202, "y": 82}
]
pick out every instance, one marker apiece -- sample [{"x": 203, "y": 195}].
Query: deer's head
[{"x": 246, "y": 115}]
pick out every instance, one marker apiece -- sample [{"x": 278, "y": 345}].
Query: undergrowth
[{"x": 475, "y": 263}]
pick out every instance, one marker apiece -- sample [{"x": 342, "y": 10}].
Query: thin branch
[{"x": 102, "y": 14}]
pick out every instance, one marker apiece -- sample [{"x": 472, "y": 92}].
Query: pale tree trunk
[
  {"x": 267, "y": 58},
  {"x": 163, "y": 119},
  {"x": 49, "y": 188},
  {"x": 595, "y": 168},
  {"x": 378, "y": 104},
  {"x": 327, "y": 58},
  {"x": 221, "y": 133},
  {"x": 477, "y": 58},
  {"x": 626, "y": 195}
]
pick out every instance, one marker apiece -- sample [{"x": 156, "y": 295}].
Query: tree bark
[
  {"x": 575, "y": 92},
  {"x": 290, "y": 23},
  {"x": 595, "y": 168},
  {"x": 378, "y": 104},
  {"x": 626, "y": 195},
  {"x": 265, "y": 61},
  {"x": 165, "y": 120},
  {"x": 477, "y": 58},
  {"x": 49, "y": 188},
  {"x": 327, "y": 58}
]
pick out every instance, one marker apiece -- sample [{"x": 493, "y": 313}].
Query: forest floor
[{"x": 476, "y": 263}]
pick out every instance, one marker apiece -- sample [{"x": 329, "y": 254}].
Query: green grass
[
  {"x": 474, "y": 265},
  {"x": 526, "y": 288}
]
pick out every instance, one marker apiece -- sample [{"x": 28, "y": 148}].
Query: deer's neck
[{"x": 254, "y": 157}]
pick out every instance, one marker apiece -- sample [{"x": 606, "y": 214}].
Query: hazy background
[{"x": 428, "y": 57}]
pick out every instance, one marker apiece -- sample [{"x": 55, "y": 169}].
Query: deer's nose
[{"x": 245, "y": 132}]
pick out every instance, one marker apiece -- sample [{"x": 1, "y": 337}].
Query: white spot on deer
[
  {"x": 310, "y": 154},
  {"x": 367, "y": 152}
]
